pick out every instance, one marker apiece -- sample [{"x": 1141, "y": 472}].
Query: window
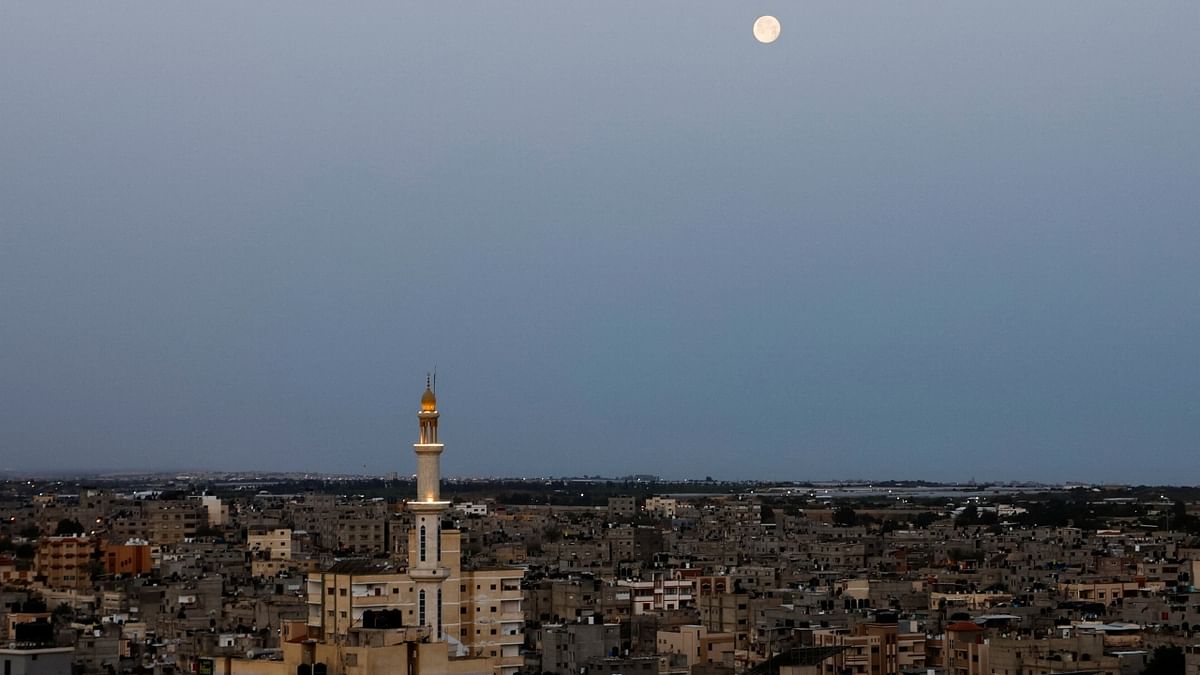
[
  {"x": 421, "y": 537},
  {"x": 342, "y": 592},
  {"x": 421, "y": 608}
]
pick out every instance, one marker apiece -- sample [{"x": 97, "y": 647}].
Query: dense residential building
[
  {"x": 696, "y": 645},
  {"x": 16, "y": 660},
  {"x": 566, "y": 649},
  {"x": 65, "y": 561},
  {"x": 658, "y": 593},
  {"x": 873, "y": 648},
  {"x": 131, "y": 558}
]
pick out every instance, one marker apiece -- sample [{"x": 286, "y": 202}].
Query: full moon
[{"x": 766, "y": 29}]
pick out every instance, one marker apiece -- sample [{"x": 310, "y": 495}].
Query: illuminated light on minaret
[{"x": 425, "y": 558}]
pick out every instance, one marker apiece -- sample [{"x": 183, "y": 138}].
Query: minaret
[{"x": 425, "y": 557}]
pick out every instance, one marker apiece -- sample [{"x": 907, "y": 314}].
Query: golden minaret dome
[{"x": 428, "y": 400}]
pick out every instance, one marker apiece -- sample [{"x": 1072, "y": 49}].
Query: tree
[
  {"x": 767, "y": 514},
  {"x": 63, "y": 613},
  {"x": 68, "y": 527},
  {"x": 1165, "y": 661},
  {"x": 844, "y": 516},
  {"x": 968, "y": 517},
  {"x": 209, "y": 531},
  {"x": 924, "y": 519}
]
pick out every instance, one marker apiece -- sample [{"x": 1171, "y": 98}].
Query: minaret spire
[{"x": 425, "y": 550}]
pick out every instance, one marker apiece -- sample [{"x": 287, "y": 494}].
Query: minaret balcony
[
  {"x": 428, "y": 506},
  {"x": 434, "y": 574}
]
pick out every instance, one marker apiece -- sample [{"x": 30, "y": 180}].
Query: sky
[{"x": 908, "y": 240}]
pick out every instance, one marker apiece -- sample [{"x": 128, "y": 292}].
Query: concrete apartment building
[
  {"x": 277, "y": 550},
  {"x": 36, "y": 660},
  {"x": 658, "y": 594},
  {"x": 64, "y": 562},
  {"x": 1082, "y": 653},
  {"x": 696, "y": 645},
  {"x": 362, "y": 528},
  {"x": 566, "y": 649},
  {"x": 12, "y": 573},
  {"x": 131, "y": 558},
  {"x": 622, "y": 507},
  {"x": 722, "y": 610},
  {"x": 874, "y": 648},
  {"x": 216, "y": 510},
  {"x": 158, "y": 521},
  {"x": 661, "y": 507},
  {"x": 272, "y": 543}
]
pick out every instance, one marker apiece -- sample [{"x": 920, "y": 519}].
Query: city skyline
[{"x": 914, "y": 242}]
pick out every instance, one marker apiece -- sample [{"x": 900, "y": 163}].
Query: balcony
[{"x": 509, "y": 661}]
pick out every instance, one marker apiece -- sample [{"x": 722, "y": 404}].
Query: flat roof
[{"x": 17, "y": 651}]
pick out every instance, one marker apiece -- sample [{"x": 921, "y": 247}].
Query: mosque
[{"x": 435, "y": 618}]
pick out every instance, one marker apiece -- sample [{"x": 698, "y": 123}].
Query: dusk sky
[{"x": 940, "y": 240}]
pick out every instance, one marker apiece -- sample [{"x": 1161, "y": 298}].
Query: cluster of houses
[{"x": 310, "y": 583}]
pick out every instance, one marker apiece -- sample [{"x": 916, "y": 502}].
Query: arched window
[
  {"x": 421, "y": 544},
  {"x": 421, "y": 609},
  {"x": 439, "y": 616}
]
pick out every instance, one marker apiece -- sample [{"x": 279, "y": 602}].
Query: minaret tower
[{"x": 425, "y": 555}]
